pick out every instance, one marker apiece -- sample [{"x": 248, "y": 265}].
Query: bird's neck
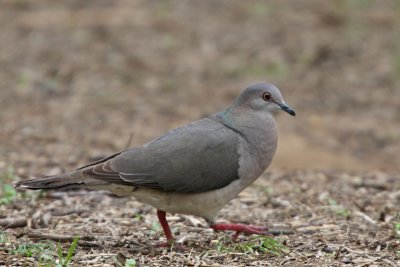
[
  {"x": 256, "y": 127},
  {"x": 228, "y": 120},
  {"x": 243, "y": 122}
]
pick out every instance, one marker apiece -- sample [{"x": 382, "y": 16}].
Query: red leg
[
  {"x": 240, "y": 228},
  {"x": 164, "y": 224}
]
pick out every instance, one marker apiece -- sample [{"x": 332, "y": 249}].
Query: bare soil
[{"x": 82, "y": 79}]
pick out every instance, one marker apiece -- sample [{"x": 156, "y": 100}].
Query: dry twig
[{"x": 13, "y": 222}]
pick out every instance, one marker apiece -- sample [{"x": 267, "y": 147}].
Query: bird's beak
[{"x": 287, "y": 109}]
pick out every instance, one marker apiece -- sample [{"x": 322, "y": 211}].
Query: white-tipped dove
[{"x": 195, "y": 169}]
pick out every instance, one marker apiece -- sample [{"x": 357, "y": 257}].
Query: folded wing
[{"x": 198, "y": 157}]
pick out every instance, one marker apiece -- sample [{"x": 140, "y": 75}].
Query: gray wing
[{"x": 198, "y": 157}]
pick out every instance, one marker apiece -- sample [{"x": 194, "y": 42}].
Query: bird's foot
[
  {"x": 168, "y": 234},
  {"x": 240, "y": 228},
  {"x": 171, "y": 244}
]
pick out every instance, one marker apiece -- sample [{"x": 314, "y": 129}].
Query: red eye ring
[{"x": 266, "y": 96}]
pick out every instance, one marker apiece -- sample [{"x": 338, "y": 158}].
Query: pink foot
[
  {"x": 174, "y": 245},
  {"x": 240, "y": 228},
  {"x": 168, "y": 234}
]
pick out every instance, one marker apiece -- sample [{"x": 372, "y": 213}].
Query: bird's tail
[{"x": 62, "y": 181}]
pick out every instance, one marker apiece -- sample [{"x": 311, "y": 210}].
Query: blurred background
[{"x": 82, "y": 79}]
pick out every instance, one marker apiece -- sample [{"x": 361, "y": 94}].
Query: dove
[{"x": 195, "y": 169}]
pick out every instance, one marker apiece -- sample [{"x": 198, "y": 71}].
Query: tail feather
[{"x": 62, "y": 181}]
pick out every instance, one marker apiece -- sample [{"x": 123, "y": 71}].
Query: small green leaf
[
  {"x": 71, "y": 251},
  {"x": 156, "y": 227},
  {"x": 130, "y": 263}
]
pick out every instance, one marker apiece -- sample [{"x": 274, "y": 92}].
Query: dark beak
[{"x": 287, "y": 109}]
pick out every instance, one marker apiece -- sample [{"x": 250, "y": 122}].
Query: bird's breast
[{"x": 256, "y": 149}]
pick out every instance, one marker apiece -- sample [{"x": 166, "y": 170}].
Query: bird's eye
[{"x": 266, "y": 96}]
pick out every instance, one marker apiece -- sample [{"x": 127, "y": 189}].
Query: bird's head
[{"x": 262, "y": 97}]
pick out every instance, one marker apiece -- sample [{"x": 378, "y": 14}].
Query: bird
[{"x": 195, "y": 169}]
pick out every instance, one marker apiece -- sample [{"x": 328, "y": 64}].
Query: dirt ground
[{"x": 82, "y": 79}]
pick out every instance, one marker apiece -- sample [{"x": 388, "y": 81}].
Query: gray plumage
[
  {"x": 213, "y": 158},
  {"x": 199, "y": 157}
]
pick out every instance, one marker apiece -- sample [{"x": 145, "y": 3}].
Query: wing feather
[{"x": 198, "y": 157}]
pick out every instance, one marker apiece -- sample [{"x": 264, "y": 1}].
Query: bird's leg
[
  {"x": 240, "y": 228},
  {"x": 167, "y": 231}
]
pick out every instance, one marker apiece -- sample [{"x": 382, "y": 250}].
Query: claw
[
  {"x": 240, "y": 228},
  {"x": 171, "y": 244}
]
